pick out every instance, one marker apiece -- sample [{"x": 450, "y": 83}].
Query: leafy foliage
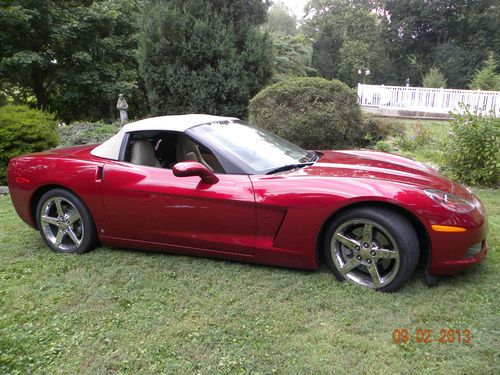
[
  {"x": 81, "y": 133},
  {"x": 204, "y": 56},
  {"x": 292, "y": 50},
  {"x": 24, "y": 130},
  {"x": 74, "y": 57},
  {"x": 472, "y": 150},
  {"x": 292, "y": 57},
  {"x": 434, "y": 78},
  {"x": 312, "y": 112},
  {"x": 376, "y": 130},
  {"x": 281, "y": 20},
  {"x": 400, "y": 141},
  {"x": 13, "y": 94},
  {"x": 422, "y": 134},
  {"x": 487, "y": 77},
  {"x": 452, "y": 36},
  {"x": 400, "y": 39},
  {"x": 347, "y": 37},
  {"x": 383, "y": 145}
]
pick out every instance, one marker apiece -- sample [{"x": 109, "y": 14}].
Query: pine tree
[
  {"x": 487, "y": 78},
  {"x": 434, "y": 78},
  {"x": 201, "y": 56}
]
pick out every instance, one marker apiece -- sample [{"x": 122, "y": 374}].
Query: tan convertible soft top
[{"x": 110, "y": 149}]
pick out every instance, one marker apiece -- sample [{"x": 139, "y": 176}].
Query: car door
[{"x": 152, "y": 205}]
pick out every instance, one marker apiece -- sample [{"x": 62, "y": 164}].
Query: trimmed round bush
[
  {"x": 24, "y": 130},
  {"x": 472, "y": 149},
  {"x": 314, "y": 113}
]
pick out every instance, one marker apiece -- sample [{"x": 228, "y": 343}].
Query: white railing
[{"x": 429, "y": 100}]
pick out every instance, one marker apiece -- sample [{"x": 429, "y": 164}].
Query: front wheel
[
  {"x": 65, "y": 223},
  {"x": 372, "y": 247}
]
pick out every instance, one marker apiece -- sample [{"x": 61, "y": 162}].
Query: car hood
[{"x": 376, "y": 165}]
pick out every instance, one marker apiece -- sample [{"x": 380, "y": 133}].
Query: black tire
[
  {"x": 55, "y": 213},
  {"x": 385, "y": 264}
]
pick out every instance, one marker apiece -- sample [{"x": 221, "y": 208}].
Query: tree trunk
[
  {"x": 38, "y": 88},
  {"x": 111, "y": 109}
]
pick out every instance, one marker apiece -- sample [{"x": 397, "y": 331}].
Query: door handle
[{"x": 99, "y": 174}]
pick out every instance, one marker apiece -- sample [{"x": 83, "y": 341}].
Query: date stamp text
[{"x": 425, "y": 336}]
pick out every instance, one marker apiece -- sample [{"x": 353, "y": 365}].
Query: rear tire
[
  {"x": 65, "y": 223},
  {"x": 373, "y": 247}
]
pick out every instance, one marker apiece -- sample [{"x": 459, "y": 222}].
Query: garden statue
[{"x": 122, "y": 106}]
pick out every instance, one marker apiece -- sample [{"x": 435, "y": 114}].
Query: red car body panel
[
  {"x": 270, "y": 219},
  {"x": 162, "y": 208}
]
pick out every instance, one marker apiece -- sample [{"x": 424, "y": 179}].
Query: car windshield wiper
[
  {"x": 314, "y": 156},
  {"x": 288, "y": 167}
]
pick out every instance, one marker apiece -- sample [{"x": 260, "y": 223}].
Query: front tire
[
  {"x": 65, "y": 223},
  {"x": 373, "y": 247}
]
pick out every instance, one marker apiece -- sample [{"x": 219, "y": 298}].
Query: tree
[
  {"x": 347, "y": 37},
  {"x": 292, "y": 57},
  {"x": 355, "y": 54},
  {"x": 450, "y": 35},
  {"x": 281, "y": 20},
  {"x": 487, "y": 77},
  {"x": 74, "y": 57},
  {"x": 434, "y": 78},
  {"x": 204, "y": 56},
  {"x": 292, "y": 50}
]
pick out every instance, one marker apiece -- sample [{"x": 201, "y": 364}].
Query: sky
[{"x": 297, "y": 6}]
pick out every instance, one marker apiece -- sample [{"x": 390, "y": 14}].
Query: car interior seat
[
  {"x": 188, "y": 150},
  {"x": 166, "y": 150},
  {"x": 143, "y": 153}
]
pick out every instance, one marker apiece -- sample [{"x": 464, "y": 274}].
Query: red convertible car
[{"x": 215, "y": 186}]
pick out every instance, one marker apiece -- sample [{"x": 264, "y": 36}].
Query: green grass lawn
[{"x": 122, "y": 311}]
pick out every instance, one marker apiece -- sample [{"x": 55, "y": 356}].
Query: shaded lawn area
[{"x": 122, "y": 311}]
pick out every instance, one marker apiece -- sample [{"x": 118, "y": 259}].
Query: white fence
[{"x": 429, "y": 100}]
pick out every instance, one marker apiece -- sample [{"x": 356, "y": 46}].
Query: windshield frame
[{"x": 237, "y": 165}]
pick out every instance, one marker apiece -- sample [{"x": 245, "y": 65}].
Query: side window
[
  {"x": 189, "y": 150},
  {"x": 164, "y": 149}
]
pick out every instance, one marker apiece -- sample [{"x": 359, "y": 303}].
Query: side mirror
[{"x": 193, "y": 168}]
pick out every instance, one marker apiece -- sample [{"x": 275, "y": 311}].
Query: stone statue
[{"x": 122, "y": 106}]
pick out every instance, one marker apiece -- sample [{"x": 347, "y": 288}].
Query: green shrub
[
  {"x": 376, "y": 129},
  {"x": 312, "y": 112},
  {"x": 472, "y": 150},
  {"x": 422, "y": 134},
  {"x": 24, "y": 130},
  {"x": 383, "y": 145},
  {"x": 82, "y": 133},
  {"x": 404, "y": 142},
  {"x": 398, "y": 140},
  {"x": 401, "y": 141}
]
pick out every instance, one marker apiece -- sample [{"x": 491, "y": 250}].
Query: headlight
[{"x": 450, "y": 201}]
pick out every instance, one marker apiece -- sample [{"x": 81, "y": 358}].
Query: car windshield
[{"x": 262, "y": 152}]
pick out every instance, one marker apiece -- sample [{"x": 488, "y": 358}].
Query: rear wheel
[
  {"x": 372, "y": 247},
  {"x": 65, "y": 223}
]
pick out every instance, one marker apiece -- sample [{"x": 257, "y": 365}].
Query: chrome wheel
[
  {"x": 365, "y": 253},
  {"x": 62, "y": 224}
]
